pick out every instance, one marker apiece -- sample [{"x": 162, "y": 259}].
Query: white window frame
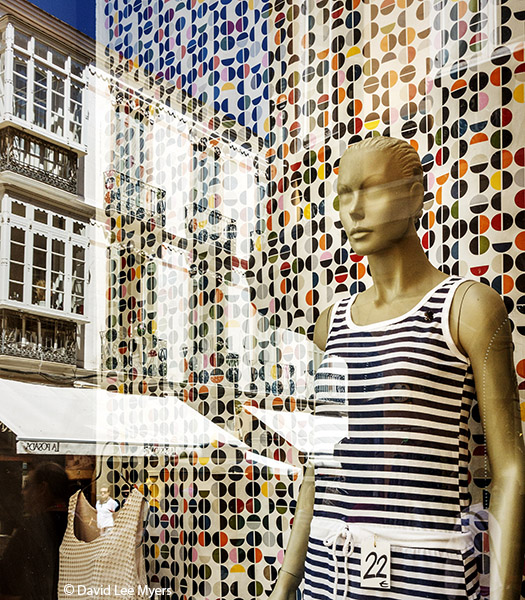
[
  {"x": 66, "y": 72},
  {"x": 31, "y": 227}
]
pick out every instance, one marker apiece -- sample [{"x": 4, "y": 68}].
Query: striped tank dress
[{"x": 398, "y": 466}]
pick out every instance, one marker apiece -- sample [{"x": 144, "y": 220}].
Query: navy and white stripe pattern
[{"x": 406, "y": 393}]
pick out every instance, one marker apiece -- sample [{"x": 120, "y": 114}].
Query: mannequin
[{"x": 380, "y": 189}]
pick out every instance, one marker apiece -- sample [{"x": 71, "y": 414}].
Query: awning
[{"x": 57, "y": 420}]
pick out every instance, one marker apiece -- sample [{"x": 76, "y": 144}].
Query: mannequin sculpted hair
[{"x": 402, "y": 154}]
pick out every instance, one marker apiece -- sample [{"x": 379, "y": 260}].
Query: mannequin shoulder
[
  {"x": 477, "y": 313},
  {"x": 322, "y": 326}
]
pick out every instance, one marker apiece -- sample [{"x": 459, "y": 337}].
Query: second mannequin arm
[{"x": 292, "y": 569}]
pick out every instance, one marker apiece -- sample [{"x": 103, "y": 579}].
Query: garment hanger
[{"x": 127, "y": 483}]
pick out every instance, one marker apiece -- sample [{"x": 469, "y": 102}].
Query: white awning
[{"x": 57, "y": 420}]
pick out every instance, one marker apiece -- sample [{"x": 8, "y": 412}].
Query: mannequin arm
[
  {"x": 292, "y": 571},
  {"x": 484, "y": 333},
  {"x": 322, "y": 326}
]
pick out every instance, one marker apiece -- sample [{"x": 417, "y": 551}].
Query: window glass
[
  {"x": 58, "y": 263},
  {"x": 41, "y": 49},
  {"x": 21, "y": 40},
  {"x": 79, "y": 228},
  {"x": 40, "y": 216},
  {"x": 76, "y": 68},
  {"x": 58, "y": 59},
  {"x": 20, "y": 87},
  {"x": 40, "y": 96},
  {"x": 77, "y": 290},
  {"x": 75, "y": 109},
  {"x": 17, "y": 208},
  {"x": 57, "y": 104},
  {"x": 16, "y": 264},
  {"x": 59, "y": 222},
  {"x": 40, "y": 274}
]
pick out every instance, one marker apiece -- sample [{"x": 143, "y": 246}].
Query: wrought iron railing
[
  {"x": 42, "y": 338},
  {"x": 130, "y": 196},
  {"x": 26, "y": 154}
]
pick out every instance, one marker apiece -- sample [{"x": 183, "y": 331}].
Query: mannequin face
[{"x": 376, "y": 205}]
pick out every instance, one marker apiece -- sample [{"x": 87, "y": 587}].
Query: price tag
[{"x": 375, "y": 563}]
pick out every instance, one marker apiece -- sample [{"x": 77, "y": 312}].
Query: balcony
[
  {"x": 26, "y": 154},
  {"x": 128, "y": 196},
  {"x": 23, "y": 335}
]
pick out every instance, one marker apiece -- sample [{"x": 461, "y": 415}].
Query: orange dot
[
  {"x": 484, "y": 223},
  {"x": 506, "y": 158},
  {"x": 414, "y": 144},
  {"x": 463, "y": 167},
  {"x": 508, "y": 284},
  {"x": 361, "y": 270},
  {"x": 309, "y": 298},
  {"x": 520, "y": 240}
]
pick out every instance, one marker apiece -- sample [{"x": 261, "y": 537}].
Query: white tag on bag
[{"x": 375, "y": 563}]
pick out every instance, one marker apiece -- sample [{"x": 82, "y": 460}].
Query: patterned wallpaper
[{"x": 228, "y": 243}]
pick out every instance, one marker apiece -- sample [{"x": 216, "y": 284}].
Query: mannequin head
[{"x": 380, "y": 189}]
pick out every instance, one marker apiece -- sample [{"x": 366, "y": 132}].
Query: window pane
[
  {"x": 17, "y": 208},
  {"x": 59, "y": 247},
  {"x": 40, "y": 97},
  {"x": 76, "y": 68},
  {"x": 79, "y": 228},
  {"x": 20, "y": 88},
  {"x": 17, "y": 252},
  {"x": 41, "y": 49},
  {"x": 40, "y": 216},
  {"x": 59, "y": 222},
  {"x": 78, "y": 269},
  {"x": 79, "y": 253},
  {"x": 76, "y": 93},
  {"x": 21, "y": 40},
  {"x": 17, "y": 235},
  {"x": 58, "y": 59},
  {"x": 16, "y": 272},
  {"x": 39, "y": 258},
  {"x": 16, "y": 291},
  {"x": 40, "y": 241}
]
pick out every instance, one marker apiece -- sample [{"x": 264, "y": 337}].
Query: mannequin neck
[{"x": 402, "y": 270}]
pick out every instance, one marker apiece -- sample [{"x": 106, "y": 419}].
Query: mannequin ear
[{"x": 417, "y": 192}]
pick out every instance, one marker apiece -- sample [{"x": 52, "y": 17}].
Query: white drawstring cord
[{"x": 348, "y": 549}]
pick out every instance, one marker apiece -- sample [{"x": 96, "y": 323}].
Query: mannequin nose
[{"x": 355, "y": 206}]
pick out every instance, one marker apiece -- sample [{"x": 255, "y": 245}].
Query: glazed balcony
[
  {"x": 24, "y": 335},
  {"x": 28, "y": 155}
]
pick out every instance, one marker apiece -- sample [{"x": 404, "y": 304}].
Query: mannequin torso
[{"x": 378, "y": 204}]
